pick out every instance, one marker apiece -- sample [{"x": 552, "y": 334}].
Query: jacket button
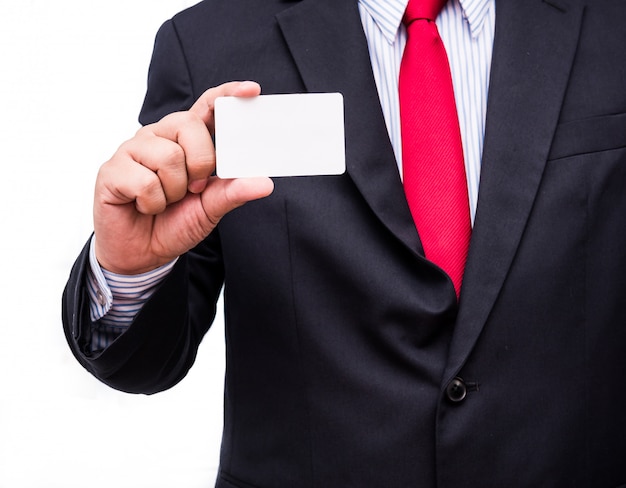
[
  {"x": 101, "y": 298},
  {"x": 456, "y": 390}
]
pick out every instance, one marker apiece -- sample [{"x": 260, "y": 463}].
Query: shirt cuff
[{"x": 120, "y": 294}]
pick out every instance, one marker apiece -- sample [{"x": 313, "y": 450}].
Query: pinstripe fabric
[{"x": 467, "y": 29}]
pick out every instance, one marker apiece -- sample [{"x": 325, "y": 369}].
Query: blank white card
[{"x": 280, "y": 135}]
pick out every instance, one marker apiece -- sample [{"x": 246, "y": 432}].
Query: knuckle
[
  {"x": 150, "y": 198},
  {"x": 173, "y": 156}
]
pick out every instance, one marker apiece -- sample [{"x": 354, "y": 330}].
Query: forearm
[
  {"x": 157, "y": 349},
  {"x": 152, "y": 354}
]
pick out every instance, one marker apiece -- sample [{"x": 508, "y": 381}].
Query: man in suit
[{"x": 350, "y": 361}]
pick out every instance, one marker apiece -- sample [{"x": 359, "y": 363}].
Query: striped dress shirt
[{"x": 467, "y": 30}]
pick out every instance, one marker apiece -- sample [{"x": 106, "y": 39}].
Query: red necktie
[{"x": 432, "y": 152}]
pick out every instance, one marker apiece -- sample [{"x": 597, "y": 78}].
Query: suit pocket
[{"x": 589, "y": 135}]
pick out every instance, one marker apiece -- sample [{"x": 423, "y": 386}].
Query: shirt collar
[
  {"x": 476, "y": 13},
  {"x": 387, "y": 14}
]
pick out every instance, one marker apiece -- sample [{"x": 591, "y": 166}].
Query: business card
[{"x": 280, "y": 135}]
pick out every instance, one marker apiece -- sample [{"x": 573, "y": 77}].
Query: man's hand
[{"x": 155, "y": 198}]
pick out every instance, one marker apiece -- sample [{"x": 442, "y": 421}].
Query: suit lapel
[
  {"x": 327, "y": 42},
  {"x": 534, "y": 49},
  {"x": 533, "y": 52}
]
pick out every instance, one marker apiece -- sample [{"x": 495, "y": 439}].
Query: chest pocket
[{"x": 590, "y": 135}]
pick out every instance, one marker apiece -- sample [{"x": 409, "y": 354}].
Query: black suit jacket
[{"x": 349, "y": 363}]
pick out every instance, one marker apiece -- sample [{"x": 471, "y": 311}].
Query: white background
[{"x": 72, "y": 79}]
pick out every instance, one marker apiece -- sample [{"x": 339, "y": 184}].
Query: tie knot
[{"x": 422, "y": 9}]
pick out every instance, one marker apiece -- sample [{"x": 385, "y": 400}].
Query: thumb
[{"x": 223, "y": 195}]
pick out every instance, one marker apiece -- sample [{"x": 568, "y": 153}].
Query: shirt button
[
  {"x": 101, "y": 299},
  {"x": 456, "y": 390}
]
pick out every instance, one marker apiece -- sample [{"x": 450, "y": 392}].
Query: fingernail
[{"x": 197, "y": 186}]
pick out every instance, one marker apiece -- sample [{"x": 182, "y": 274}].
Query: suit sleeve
[{"x": 161, "y": 344}]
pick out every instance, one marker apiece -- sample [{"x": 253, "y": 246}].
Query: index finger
[
  {"x": 204, "y": 107},
  {"x": 191, "y": 135}
]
